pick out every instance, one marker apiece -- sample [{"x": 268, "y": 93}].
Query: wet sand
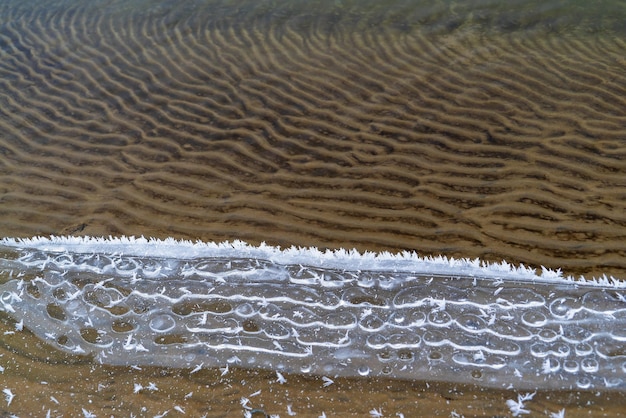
[
  {"x": 436, "y": 134},
  {"x": 44, "y": 380}
]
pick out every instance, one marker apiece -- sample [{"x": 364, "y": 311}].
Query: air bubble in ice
[
  {"x": 245, "y": 310},
  {"x": 571, "y": 366},
  {"x": 565, "y": 307},
  {"x": 162, "y": 323},
  {"x": 534, "y": 319},
  {"x": 363, "y": 370},
  {"x": 583, "y": 349},
  {"x": 589, "y": 365},
  {"x": 583, "y": 382}
]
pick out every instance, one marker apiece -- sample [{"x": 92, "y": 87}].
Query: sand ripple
[{"x": 380, "y": 129}]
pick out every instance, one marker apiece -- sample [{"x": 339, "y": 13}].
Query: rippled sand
[{"x": 485, "y": 134}]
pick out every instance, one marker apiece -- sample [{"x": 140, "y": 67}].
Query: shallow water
[{"x": 480, "y": 129}]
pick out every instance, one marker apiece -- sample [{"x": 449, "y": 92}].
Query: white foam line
[{"x": 341, "y": 259}]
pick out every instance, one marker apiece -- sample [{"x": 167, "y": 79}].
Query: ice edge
[{"x": 406, "y": 261}]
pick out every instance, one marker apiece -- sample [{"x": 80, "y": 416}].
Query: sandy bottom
[
  {"x": 42, "y": 380},
  {"x": 295, "y": 129}
]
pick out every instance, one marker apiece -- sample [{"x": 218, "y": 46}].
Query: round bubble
[
  {"x": 565, "y": 307},
  {"x": 571, "y": 366},
  {"x": 551, "y": 365},
  {"x": 584, "y": 383},
  {"x": 534, "y": 319},
  {"x": 589, "y": 365},
  {"x": 162, "y": 323},
  {"x": 245, "y": 310},
  {"x": 363, "y": 370},
  {"x": 583, "y": 349}
]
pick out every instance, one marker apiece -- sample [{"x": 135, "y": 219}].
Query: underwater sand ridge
[{"x": 278, "y": 118}]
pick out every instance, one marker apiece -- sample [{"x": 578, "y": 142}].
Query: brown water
[{"x": 471, "y": 130}]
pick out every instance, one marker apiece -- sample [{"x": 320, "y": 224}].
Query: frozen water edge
[
  {"x": 340, "y": 313},
  {"x": 338, "y": 259}
]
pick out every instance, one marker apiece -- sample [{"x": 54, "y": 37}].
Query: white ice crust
[{"x": 406, "y": 261}]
